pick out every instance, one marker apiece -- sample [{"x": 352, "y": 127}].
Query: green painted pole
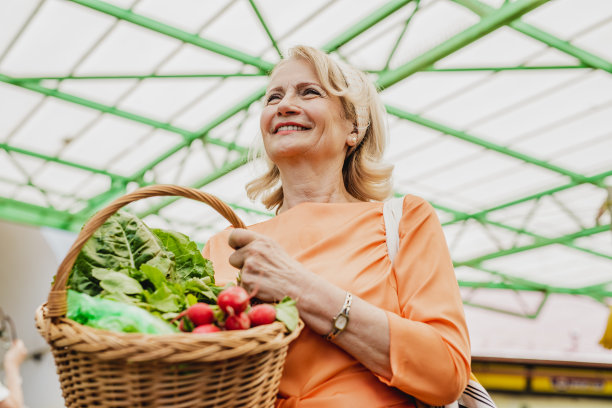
[
  {"x": 223, "y": 170},
  {"x": 139, "y": 77},
  {"x": 538, "y": 244},
  {"x": 194, "y": 39},
  {"x": 483, "y": 143},
  {"x": 17, "y": 211},
  {"x": 522, "y": 231},
  {"x": 266, "y": 28},
  {"x": 518, "y": 68},
  {"x": 111, "y": 110},
  {"x": 587, "y": 58},
  {"x": 46, "y": 158},
  {"x": 596, "y": 180},
  {"x": 368, "y": 22},
  {"x": 536, "y": 288},
  {"x": 502, "y": 16}
]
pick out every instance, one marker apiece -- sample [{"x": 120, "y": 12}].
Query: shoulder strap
[{"x": 392, "y": 213}]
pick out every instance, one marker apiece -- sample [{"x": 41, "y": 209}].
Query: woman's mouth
[{"x": 290, "y": 128}]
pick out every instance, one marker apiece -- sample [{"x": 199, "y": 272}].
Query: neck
[{"x": 307, "y": 184}]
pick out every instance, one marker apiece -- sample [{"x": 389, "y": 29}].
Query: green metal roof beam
[
  {"x": 194, "y": 39},
  {"x": 368, "y": 22},
  {"x": 265, "y": 27},
  {"x": 46, "y": 158},
  {"x": 402, "y": 33},
  {"x": 482, "y": 219},
  {"x": 139, "y": 77},
  {"x": 526, "y": 315},
  {"x": 502, "y": 16},
  {"x": 522, "y": 231},
  {"x": 96, "y": 202},
  {"x": 187, "y": 135},
  {"x": 475, "y": 262},
  {"x": 592, "y": 60},
  {"x": 17, "y": 211},
  {"x": 243, "y": 105},
  {"x": 481, "y": 142},
  {"x": 518, "y": 68},
  {"x": 223, "y": 170},
  {"x": 597, "y": 180},
  {"x": 551, "y": 289}
]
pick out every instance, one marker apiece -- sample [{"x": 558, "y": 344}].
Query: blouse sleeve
[{"x": 429, "y": 343}]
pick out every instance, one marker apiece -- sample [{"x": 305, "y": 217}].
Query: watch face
[{"x": 341, "y": 322}]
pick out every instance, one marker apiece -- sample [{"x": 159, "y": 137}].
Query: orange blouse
[{"x": 346, "y": 244}]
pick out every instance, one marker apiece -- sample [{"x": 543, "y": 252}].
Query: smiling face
[{"x": 300, "y": 119}]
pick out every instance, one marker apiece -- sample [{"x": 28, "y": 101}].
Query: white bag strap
[
  {"x": 392, "y": 213},
  {"x": 474, "y": 396}
]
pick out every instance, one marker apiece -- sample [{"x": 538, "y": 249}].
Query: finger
[
  {"x": 240, "y": 237},
  {"x": 237, "y": 259}
]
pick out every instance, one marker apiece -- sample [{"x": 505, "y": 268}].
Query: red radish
[
  {"x": 237, "y": 322},
  {"x": 262, "y": 314},
  {"x": 182, "y": 326},
  {"x": 206, "y": 328},
  {"x": 233, "y": 300},
  {"x": 200, "y": 313}
]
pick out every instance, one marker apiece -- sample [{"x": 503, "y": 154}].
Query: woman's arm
[
  {"x": 12, "y": 361},
  {"x": 266, "y": 268},
  {"x": 423, "y": 351}
]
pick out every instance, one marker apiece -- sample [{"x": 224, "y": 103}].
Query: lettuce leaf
[
  {"x": 189, "y": 262},
  {"x": 122, "y": 242}
]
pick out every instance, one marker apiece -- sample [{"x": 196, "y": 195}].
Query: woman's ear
[{"x": 352, "y": 137}]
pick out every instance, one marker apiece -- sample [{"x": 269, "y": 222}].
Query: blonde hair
[{"x": 365, "y": 176}]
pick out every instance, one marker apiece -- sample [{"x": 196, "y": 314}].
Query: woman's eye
[
  {"x": 272, "y": 97},
  {"x": 311, "y": 91}
]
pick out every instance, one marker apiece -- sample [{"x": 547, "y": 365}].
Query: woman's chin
[{"x": 286, "y": 150}]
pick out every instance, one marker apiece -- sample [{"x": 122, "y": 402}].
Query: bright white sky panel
[
  {"x": 15, "y": 103},
  {"x": 48, "y": 130},
  {"x": 43, "y": 49},
  {"x": 424, "y": 90},
  {"x": 129, "y": 50},
  {"x": 225, "y": 29},
  {"x": 105, "y": 91},
  {"x": 587, "y": 90},
  {"x": 567, "y": 18},
  {"x": 188, "y": 15},
  {"x": 142, "y": 151},
  {"x": 217, "y": 101}
]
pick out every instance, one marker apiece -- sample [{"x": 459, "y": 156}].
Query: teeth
[{"x": 291, "y": 128}]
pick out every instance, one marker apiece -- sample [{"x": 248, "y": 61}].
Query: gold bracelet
[{"x": 341, "y": 320}]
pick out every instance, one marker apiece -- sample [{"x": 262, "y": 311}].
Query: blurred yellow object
[{"x": 606, "y": 340}]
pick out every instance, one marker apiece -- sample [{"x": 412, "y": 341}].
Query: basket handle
[{"x": 57, "y": 301}]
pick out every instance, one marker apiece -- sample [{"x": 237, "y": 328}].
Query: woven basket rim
[{"x": 64, "y": 333}]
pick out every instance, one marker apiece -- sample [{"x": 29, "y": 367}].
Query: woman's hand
[
  {"x": 265, "y": 267},
  {"x": 16, "y": 354}
]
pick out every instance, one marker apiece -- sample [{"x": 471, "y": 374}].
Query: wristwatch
[{"x": 341, "y": 320}]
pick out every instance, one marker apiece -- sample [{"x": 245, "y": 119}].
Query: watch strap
[{"x": 341, "y": 320}]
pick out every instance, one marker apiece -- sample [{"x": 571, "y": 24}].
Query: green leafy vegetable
[
  {"x": 109, "y": 315},
  {"x": 189, "y": 261},
  {"x": 116, "y": 282},
  {"x": 122, "y": 242},
  {"x": 160, "y": 271},
  {"x": 287, "y": 312}
]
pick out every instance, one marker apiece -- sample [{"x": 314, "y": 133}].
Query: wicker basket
[{"x": 101, "y": 368}]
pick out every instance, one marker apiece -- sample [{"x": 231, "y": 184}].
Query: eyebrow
[{"x": 300, "y": 85}]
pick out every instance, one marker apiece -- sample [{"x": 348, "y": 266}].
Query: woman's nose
[{"x": 287, "y": 106}]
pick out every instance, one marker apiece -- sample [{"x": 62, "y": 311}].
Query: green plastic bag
[{"x": 114, "y": 316}]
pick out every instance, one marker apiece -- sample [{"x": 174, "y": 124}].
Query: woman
[
  {"x": 11, "y": 396},
  {"x": 323, "y": 132}
]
